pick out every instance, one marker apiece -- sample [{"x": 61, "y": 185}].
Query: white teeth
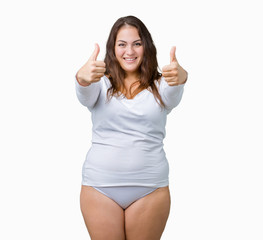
[{"x": 130, "y": 59}]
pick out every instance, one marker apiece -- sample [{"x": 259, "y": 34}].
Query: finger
[
  {"x": 96, "y": 79},
  {"x": 170, "y": 74},
  {"x": 168, "y": 68},
  {"x": 170, "y": 79},
  {"x": 99, "y": 75},
  {"x": 172, "y": 55},
  {"x": 100, "y": 64},
  {"x": 100, "y": 69},
  {"x": 171, "y": 82},
  {"x": 95, "y": 52},
  {"x": 96, "y": 74}
]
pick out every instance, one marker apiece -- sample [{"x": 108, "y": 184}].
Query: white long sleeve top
[{"x": 127, "y": 135}]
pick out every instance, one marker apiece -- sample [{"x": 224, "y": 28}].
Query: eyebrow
[{"x": 126, "y": 42}]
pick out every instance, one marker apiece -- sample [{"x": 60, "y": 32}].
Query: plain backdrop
[{"x": 214, "y": 137}]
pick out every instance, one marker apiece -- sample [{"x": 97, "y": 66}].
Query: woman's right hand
[{"x": 92, "y": 70}]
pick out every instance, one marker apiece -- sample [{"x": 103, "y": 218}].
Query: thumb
[
  {"x": 172, "y": 55},
  {"x": 95, "y": 52}
]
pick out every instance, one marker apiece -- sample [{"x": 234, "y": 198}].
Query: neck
[
  {"x": 128, "y": 81},
  {"x": 132, "y": 77}
]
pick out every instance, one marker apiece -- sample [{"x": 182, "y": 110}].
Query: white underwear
[{"x": 126, "y": 195}]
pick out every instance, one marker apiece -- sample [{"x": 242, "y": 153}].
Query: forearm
[
  {"x": 87, "y": 93},
  {"x": 171, "y": 95}
]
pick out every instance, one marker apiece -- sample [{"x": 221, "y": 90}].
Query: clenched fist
[
  {"x": 173, "y": 73},
  {"x": 92, "y": 70}
]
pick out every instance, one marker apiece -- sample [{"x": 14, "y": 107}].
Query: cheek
[
  {"x": 141, "y": 52},
  {"x": 118, "y": 52}
]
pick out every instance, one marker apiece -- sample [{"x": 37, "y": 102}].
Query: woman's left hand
[{"x": 173, "y": 73}]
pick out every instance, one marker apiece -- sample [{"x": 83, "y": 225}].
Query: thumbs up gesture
[
  {"x": 173, "y": 73},
  {"x": 92, "y": 70}
]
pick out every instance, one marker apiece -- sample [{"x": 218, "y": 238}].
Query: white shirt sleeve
[
  {"x": 88, "y": 95},
  {"x": 171, "y": 95}
]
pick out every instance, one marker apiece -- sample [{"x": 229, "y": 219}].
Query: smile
[{"x": 130, "y": 60}]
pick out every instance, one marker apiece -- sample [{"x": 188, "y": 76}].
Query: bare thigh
[
  {"x": 103, "y": 217},
  {"x": 146, "y": 218}
]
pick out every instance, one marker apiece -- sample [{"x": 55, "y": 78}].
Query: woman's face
[{"x": 129, "y": 49}]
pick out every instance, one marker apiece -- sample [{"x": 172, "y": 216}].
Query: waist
[
  {"x": 112, "y": 158},
  {"x": 144, "y": 144}
]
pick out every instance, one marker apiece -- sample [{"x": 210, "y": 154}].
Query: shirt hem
[{"x": 125, "y": 185}]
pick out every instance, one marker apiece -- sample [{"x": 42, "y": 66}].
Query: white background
[{"x": 214, "y": 137}]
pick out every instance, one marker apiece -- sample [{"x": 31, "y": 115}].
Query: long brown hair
[{"x": 148, "y": 68}]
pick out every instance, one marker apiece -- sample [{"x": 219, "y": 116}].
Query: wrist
[{"x": 81, "y": 81}]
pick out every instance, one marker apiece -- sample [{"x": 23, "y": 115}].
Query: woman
[{"x": 125, "y": 192}]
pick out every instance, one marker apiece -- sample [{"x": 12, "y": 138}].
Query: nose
[{"x": 129, "y": 50}]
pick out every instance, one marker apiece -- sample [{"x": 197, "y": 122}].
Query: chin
[{"x": 130, "y": 69}]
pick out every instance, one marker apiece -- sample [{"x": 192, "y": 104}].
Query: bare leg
[
  {"x": 103, "y": 217},
  {"x": 146, "y": 218}
]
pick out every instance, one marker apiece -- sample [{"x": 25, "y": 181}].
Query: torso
[{"x": 127, "y": 142}]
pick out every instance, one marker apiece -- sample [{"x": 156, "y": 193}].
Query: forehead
[{"x": 128, "y": 33}]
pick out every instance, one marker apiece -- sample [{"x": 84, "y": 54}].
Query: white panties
[{"x": 125, "y": 195}]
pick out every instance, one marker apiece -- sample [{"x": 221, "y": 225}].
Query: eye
[
  {"x": 121, "y": 45},
  {"x": 138, "y": 44}
]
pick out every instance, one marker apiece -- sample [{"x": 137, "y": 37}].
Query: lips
[{"x": 130, "y": 60}]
